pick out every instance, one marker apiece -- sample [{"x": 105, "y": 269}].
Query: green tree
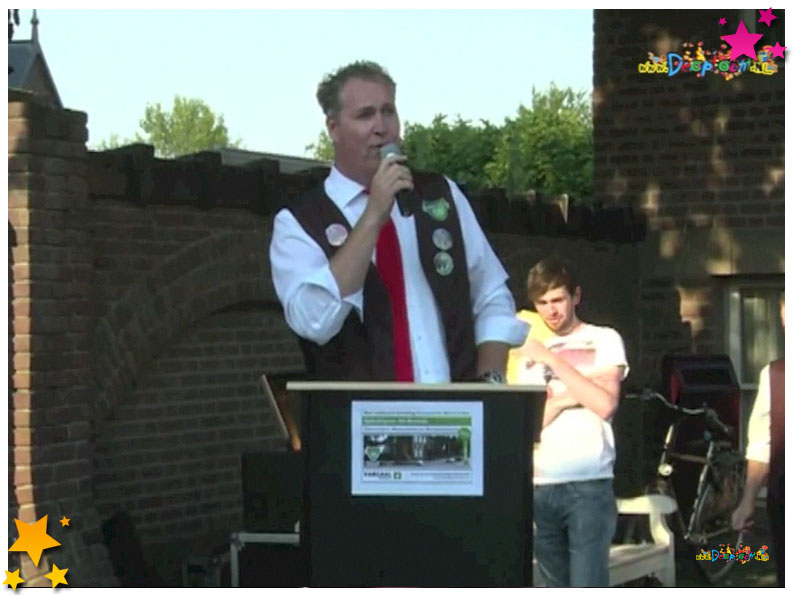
[
  {"x": 460, "y": 150},
  {"x": 548, "y": 147},
  {"x": 114, "y": 141},
  {"x": 322, "y": 148},
  {"x": 189, "y": 127}
]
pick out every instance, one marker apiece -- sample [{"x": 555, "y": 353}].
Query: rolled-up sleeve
[
  {"x": 496, "y": 320},
  {"x": 758, "y": 437},
  {"x": 304, "y": 283},
  {"x": 493, "y": 306}
]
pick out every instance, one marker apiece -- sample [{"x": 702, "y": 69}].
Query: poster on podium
[{"x": 417, "y": 448}]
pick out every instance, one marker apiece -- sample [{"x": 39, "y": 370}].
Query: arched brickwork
[{"x": 205, "y": 276}]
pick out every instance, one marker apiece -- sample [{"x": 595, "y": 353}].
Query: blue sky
[{"x": 260, "y": 68}]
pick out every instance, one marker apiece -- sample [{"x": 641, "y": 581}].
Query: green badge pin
[
  {"x": 443, "y": 263},
  {"x": 438, "y": 209}
]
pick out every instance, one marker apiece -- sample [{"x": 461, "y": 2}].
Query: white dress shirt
[
  {"x": 758, "y": 432},
  {"x": 315, "y": 310}
]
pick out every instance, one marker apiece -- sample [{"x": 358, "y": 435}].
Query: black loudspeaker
[
  {"x": 272, "y": 565},
  {"x": 690, "y": 380},
  {"x": 272, "y": 503},
  {"x": 272, "y": 491}
]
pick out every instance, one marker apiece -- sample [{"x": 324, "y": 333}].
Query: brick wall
[
  {"x": 186, "y": 322},
  {"x": 50, "y": 276},
  {"x": 169, "y": 452},
  {"x": 127, "y": 291},
  {"x": 702, "y": 158}
]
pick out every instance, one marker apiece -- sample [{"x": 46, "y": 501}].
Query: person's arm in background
[
  {"x": 757, "y": 454},
  {"x": 600, "y": 391},
  {"x": 556, "y": 405},
  {"x": 757, "y": 472}
]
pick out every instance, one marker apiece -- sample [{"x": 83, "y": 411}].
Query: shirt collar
[{"x": 341, "y": 189}]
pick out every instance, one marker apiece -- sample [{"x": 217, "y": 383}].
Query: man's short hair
[
  {"x": 330, "y": 88},
  {"x": 550, "y": 273}
]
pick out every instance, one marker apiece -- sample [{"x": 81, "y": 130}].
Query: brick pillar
[{"x": 50, "y": 272}]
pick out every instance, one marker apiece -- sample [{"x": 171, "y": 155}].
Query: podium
[{"x": 418, "y": 485}]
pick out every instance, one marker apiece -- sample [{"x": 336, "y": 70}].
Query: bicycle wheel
[{"x": 711, "y": 529}]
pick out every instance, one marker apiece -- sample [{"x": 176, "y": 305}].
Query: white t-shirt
[{"x": 578, "y": 445}]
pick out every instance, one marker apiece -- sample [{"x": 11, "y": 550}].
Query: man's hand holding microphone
[{"x": 391, "y": 180}]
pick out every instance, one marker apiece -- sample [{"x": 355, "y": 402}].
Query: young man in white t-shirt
[{"x": 583, "y": 365}]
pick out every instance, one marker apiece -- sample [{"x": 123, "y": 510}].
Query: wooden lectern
[{"x": 418, "y": 485}]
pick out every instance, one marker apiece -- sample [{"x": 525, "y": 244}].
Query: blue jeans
[{"x": 574, "y": 523}]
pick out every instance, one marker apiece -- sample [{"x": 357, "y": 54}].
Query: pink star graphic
[
  {"x": 767, "y": 17},
  {"x": 742, "y": 42},
  {"x": 723, "y": 20},
  {"x": 777, "y": 50}
]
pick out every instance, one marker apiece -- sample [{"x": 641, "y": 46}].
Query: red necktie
[{"x": 390, "y": 267}]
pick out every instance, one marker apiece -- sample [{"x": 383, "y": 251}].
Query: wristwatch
[{"x": 492, "y": 376}]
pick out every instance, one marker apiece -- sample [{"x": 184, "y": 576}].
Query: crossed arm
[{"x": 598, "y": 392}]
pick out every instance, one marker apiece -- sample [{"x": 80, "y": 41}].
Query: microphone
[{"x": 404, "y": 197}]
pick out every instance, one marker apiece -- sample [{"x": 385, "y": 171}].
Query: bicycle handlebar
[
  {"x": 713, "y": 421},
  {"x": 649, "y": 393}
]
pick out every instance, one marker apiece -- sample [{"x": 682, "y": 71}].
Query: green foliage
[
  {"x": 548, "y": 147},
  {"x": 114, "y": 141},
  {"x": 190, "y": 126},
  {"x": 322, "y": 148},
  {"x": 459, "y": 150}
]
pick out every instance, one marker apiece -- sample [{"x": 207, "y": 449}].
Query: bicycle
[{"x": 719, "y": 489}]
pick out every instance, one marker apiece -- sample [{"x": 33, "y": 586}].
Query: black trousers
[{"x": 775, "y": 499}]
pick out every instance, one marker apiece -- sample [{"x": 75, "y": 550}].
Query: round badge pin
[
  {"x": 443, "y": 263},
  {"x": 442, "y": 239},
  {"x": 336, "y": 234}
]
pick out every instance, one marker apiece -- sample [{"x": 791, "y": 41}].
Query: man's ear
[
  {"x": 577, "y": 296},
  {"x": 330, "y": 126}
]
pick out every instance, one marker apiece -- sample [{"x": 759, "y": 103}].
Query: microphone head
[{"x": 390, "y": 149}]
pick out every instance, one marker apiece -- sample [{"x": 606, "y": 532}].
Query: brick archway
[{"x": 204, "y": 276}]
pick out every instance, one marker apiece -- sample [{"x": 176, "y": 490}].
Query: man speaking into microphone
[{"x": 384, "y": 273}]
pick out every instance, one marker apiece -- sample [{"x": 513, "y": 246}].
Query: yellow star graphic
[
  {"x": 65, "y": 521},
  {"x": 57, "y": 576},
  {"x": 12, "y": 579},
  {"x": 33, "y": 539}
]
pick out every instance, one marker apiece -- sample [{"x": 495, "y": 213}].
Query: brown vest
[
  {"x": 364, "y": 350},
  {"x": 777, "y": 425}
]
